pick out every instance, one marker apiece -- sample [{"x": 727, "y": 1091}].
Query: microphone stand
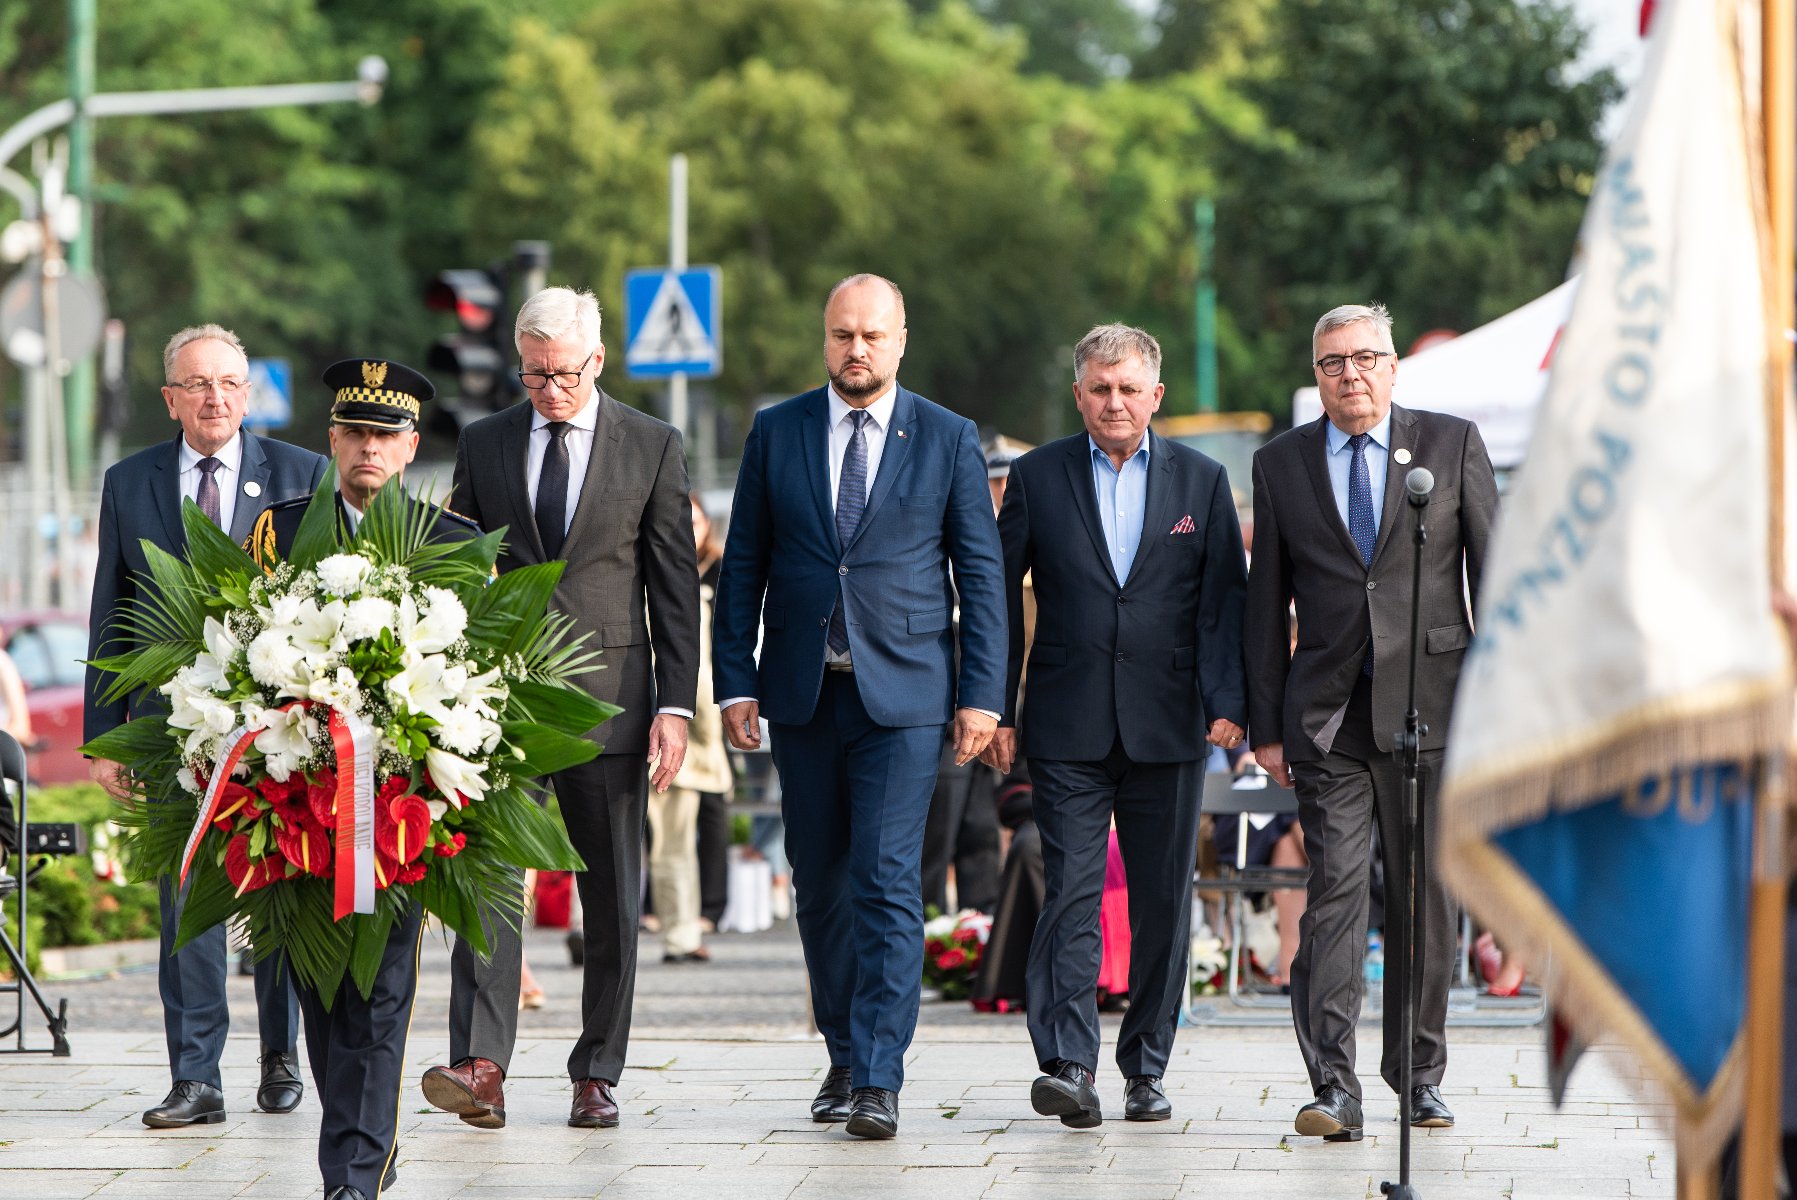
[{"x": 1408, "y": 750}]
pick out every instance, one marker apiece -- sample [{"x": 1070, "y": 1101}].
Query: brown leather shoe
[
  {"x": 594, "y": 1107},
  {"x": 472, "y": 1089}
]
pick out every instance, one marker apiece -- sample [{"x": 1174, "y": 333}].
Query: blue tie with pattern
[
  {"x": 1360, "y": 516},
  {"x": 851, "y": 501}
]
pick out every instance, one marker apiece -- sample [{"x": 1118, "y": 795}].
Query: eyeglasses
[
  {"x": 1364, "y": 360},
  {"x": 228, "y": 385},
  {"x": 536, "y": 381}
]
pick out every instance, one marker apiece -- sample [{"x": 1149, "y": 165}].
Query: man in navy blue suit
[
  {"x": 232, "y": 476},
  {"x": 853, "y": 504}
]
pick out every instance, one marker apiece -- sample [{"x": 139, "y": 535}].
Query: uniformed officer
[{"x": 357, "y": 1046}]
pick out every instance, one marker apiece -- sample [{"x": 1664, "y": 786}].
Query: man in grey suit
[
  {"x": 1332, "y": 538},
  {"x": 232, "y": 476},
  {"x": 575, "y": 475}
]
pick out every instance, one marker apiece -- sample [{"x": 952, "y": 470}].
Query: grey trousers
[{"x": 1339, "y": 798}]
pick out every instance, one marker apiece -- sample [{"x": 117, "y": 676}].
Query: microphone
[{"x": 1419, "y": 483}]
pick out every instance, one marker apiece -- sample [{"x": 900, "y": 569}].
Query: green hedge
[{"x": 69, "y": 906}]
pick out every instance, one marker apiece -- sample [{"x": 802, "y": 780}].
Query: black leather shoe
[
  {"x": 281, "y": 1089},
  {"x": 190, "y": 1102},
  {"x": 832, "y": 1103},
  {"x": 1426, "y": 1109},
  {"x": 1145, "y": 1101},
  {"x": 1068, "y": 1094},
  {"x": 1333, "y": 1115},
  {"x": 345, "y": 1192},
  {"x": 873, "y": 1113}
]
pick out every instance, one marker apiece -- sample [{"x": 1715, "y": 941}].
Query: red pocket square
[{"x": 1185, "y": 525}]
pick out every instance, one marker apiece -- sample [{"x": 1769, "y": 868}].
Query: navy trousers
[
  {"x": 1156, "y": 806},
  {"x": 195, "y": 1013},
  {"x": 358, "y": 1053},
  {"x": 855, "y": 796}
]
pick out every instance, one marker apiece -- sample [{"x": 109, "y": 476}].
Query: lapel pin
[
  {"x": 1401, "y": 455},
  {"x": 252, "y": 488},
  {"x": 901, "y": 433}
]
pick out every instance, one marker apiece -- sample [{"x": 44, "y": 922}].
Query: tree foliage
[{"x": 1023, "y": 170}]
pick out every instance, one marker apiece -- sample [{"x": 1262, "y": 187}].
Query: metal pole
[
  {"x": 1206, "y": 306},
  {"x": 79, "y": 391},
  {"x": 677, "y": 415}
]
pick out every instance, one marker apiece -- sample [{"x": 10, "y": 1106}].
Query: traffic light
[{"x": 470, "y": 365}]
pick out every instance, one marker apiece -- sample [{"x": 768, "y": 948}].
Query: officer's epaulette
[
  {"x": 461, "y": 520},
  {"x": 291, "y": 502},
  {"x": 261, "y": 542}
]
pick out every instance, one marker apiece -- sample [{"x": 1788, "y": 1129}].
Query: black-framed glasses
[
  {"x": 536, "y": 381},
  {"x": 1364, "y": 360}
]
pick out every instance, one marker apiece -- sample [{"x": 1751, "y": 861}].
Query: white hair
[
  {"x": 1343, "y": 315},
  {"x": 192, "y": 334},
  {"x": 555, "y": 312}
]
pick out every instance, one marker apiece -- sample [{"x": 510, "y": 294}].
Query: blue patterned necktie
[
  {"x": 851, "y": 500},
  {"x": 1360, "y": 516}
]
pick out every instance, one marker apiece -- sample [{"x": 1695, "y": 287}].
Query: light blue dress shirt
[
  {"x": 1122, "y": 503},
  {"x": 1340, "y": 458}
]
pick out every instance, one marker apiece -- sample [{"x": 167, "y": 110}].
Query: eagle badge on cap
[{"x": 374, "y": 374}]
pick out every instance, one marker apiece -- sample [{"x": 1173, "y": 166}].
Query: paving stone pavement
[{"x": 715, "y": 1104}]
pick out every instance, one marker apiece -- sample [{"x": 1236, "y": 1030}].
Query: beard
[{"x": 871, "y": 384}]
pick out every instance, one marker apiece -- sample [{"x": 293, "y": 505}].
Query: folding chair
[
  {"x": 1237, "y": 878},
  {"x": 13, "y": 781}
]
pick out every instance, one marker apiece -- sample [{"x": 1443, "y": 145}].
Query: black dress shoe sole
[
  {"x": 446, "y": 1092},
  {"x": 870, "y": 1125},
  {"x": 1432, "y": 1122},
  {"x": 592, "y": 1123},
  {"x": 1052, "y": 1097},
  {"x": 158, "y": 1122},
  {"x": 1314, "y": 1122},
  {"x": 1157, "y": 1113}
]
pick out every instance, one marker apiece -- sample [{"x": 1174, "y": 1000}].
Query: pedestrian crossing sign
[{"x": 673, "y": 322}]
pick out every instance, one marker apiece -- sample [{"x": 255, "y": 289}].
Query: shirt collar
[
  {"x": 880, "y": 411},
  {"x": 1141, "y": 451},
  {"x": 229, "y": 455},
  {"x": 587, "y": 418},
  {"x": 1380, "y": 434}
]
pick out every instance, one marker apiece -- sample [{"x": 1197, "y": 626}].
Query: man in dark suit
[
  {"x": 232, "y": 476},
  {"x": 853, "y": 503},
  {"x": 1136, "y": 557},
  {"x": 357, "y": 1044},
  {"x": 1332, "y": 538},
  {"x": 575, "y": 475}
]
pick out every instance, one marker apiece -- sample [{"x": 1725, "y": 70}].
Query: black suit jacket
[
  {"x": 141, "y": 499},
  {"x": 632, "y": 579},
  {"x": 1154, "y": 658},
  {"x": 1304, "y": 556}
]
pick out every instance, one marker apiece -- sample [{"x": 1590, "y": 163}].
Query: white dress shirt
[
  {"x": 229, "y": 476},
  {"x": 579, "y": 437}
]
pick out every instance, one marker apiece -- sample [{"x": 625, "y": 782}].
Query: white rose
[{"x": 342, "y": 574}]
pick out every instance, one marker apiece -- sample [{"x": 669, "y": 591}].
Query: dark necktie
[
  {"x": 851, "y": 501},
  {"x": 1360, "y": 516},
  {"x": 207, "y": 498},
  {"x": 552, "y": 491}
]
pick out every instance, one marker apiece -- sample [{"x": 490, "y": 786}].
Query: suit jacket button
[
  {"x": 1122, "y": 657},
  {"x": 823, "y": 622},
  {"x": 1371, "y": 584},
  {"x": 842, "y": 570},
  {"x": 1122, "y": 599}
]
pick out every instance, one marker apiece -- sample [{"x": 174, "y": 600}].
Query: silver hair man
[
  {"x": 1344, "y": 315},
  {"x": 554, "y": 312},
  {"x": 1109, "y": 344},
  {"x": 192, "y": 334}
]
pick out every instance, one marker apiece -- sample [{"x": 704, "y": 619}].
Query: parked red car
[{"x": 48, "y": 647}]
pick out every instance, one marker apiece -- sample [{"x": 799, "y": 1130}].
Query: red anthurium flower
[
  {"x": 402, "y": 827},
  {"x": 386, "y": 870},
  {"x": 234, "y": 800},
  {"x": 306, "y": 846},
  {"x": 321, "y": 797},
  {"x": 247, "y": 876}
]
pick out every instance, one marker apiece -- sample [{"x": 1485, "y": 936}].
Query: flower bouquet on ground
[
  {"x": 349, "y": 733},
  {"x": 952, "y": 948}
]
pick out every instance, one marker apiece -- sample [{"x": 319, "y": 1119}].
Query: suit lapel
[
  {"x": 165, "y": 486},
  {"x": 815, "y": 430},
  {"x": 252, "y": 468},
  {"x": 1157, "y": 505},
  {"x": 1403, "y": 437},
  {"x": 1314, "y": 450},
  {"x": 1079, "y": 482},
  {"x": 606, "y": 432},
  {"x": 892, "y": 457},
  {"x": 514, "y": 463}
]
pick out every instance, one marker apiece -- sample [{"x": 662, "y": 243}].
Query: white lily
[
  {"x": 286, "y": 742},
  {"x": 455, "y": 775},
  {"x": 419, "y": 687},
  {"x": 442, "y": 623}
]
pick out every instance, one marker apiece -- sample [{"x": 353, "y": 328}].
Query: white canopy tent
[{"x": 1494, "y": 376}]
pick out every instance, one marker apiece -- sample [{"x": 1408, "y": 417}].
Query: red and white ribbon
[
  {"x": 236, "y": 742},
  {"x": 355, "y": 741}
]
